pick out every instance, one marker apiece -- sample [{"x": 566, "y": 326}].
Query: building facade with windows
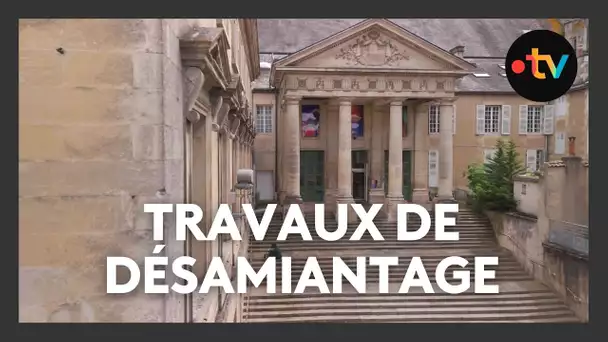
[{"x": 384, "y": 111}]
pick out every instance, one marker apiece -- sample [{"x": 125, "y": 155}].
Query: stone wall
[
  {"x": 526, "y": 191},
  {"x": 551, "y": 241},
  {"x": 101, "y": 132}
]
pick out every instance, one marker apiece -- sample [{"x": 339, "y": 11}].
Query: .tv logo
[
  {"x": 536, "y": 85},
  {"x": 518, "y": 66}
]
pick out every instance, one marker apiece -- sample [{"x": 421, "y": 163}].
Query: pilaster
[
  {"x": 376, "y": 189},
  {"x": 395, "y": 160},
  {"x": 345, "y": 175},
  {"x": 446, "y": 151},
  {"x": 291, "y": 159},
  {"x": 420, "y": 193}
]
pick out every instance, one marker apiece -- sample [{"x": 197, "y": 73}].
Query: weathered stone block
[
  {"x": 148, "y": 142},
  {"x": 89, "y": 178},
  {"x": 147, "y": 70},
  {"x": 134, "y": 308},
  {"x": 104, "y": 34},
  {"x": 51, "y": 105},
  {"x": 83, "y": 251},
  {"x": 171, "y": 44},
  {"x": 40, "y": 68},
  {"x": 146, "y": 106},
  {"x": 44, "y": 142},
  {"x": 174, "y": 142},
  {"x": 68, "y": 215},
  {"x": 52, "y": 286},
  {"x": 40, "y": 34},
  {"x": 86, "y": 68}
]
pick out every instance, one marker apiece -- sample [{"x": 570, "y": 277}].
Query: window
[
  {"x": 535, "y": 119},
  {"x": 433, "y": 119},
  {"x": 535, "y": 159},
  {"x": 540, "y": 159},
  {"x": 492, "y": 119},
  {"x": 263, "y": 119}
]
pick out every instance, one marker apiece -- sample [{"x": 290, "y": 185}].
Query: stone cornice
[
  {"x": 379, "y": 71},
  {"x": 371, "y": 86},
  {"x": 249, "y": 36},
  {"x": 206, "y": 48}
]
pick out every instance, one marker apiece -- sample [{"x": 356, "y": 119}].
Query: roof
[
  {"x": 481, "y": 37},
  {"x": 486, "y": 42}
]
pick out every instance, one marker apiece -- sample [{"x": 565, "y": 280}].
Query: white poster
[{"x": 560, "y": 143}]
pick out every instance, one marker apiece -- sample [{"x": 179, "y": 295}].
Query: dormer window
[{"x": 481, "y": 75}]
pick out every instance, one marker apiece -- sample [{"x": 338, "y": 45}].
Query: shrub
[{"x": 491, "y": 184}]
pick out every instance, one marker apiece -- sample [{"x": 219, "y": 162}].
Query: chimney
[
  {"x": 571, "y": 146},
  {"x": 458, "y": 51}
]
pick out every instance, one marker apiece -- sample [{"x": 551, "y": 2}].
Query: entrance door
[
  {"x": 312, "y": 187},
  {"x": 407, "y": 174},
  {"x": 359, "y": 186},
  {"x": 359, "y": 166}
]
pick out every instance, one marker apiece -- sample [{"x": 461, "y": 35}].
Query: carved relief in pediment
[{"x": 371, "y": 49}]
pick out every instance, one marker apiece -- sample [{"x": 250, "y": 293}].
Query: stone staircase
[{"x": 521, "y": 299}]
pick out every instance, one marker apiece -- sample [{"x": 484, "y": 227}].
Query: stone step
[
  {"x": 324, "y": 246},
  {"x": 503, "y": 256},
  {"x": 398, "y": 277},
  {"x": 489, "y": 313},
  {"x": 318, "y": 242},
  {"x": 387, "y": 235},
  {"x": 411, "y": 307},
  {"x": 530, "y": 302},
  {"x": 380, "y": 225}
]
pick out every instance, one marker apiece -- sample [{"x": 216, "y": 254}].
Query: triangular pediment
[{"x": 375, "y": 44}]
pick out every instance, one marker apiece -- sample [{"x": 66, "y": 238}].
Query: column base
[
  {"x": 390, "y": 207},
  {"x": 293, "y": 199},
  {"x": 330, "y": 200},
  {"x": 376, "y": 196},
  {"x": 444, "y": 199},
  {"x": 352, "y": 215},
  {"x": 421, "y": 197}
]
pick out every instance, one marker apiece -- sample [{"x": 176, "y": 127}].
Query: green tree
[{"x": 491, "y": 184}]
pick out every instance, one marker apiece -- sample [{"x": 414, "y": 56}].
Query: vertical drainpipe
[{"x": 276, "y": 145}]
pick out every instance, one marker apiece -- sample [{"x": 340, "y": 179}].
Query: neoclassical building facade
[{"x": 377, "y": 114}]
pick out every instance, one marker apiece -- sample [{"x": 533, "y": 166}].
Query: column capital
[
  {"x": 396, "y": 102},
  {"x": 292, "y": 100},
  {"x": 345, "y": 101},
  {"x": 448, "y": 101},
  {"x": 336, "y": 101}
]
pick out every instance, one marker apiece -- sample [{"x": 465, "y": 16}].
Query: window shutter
[
  {"x": 523, "y": 119},
  {"x": 481, "y": 115},
  {"x": 531, "y": 160},
  {"x": 506, "y": 120},
  {"x": 548, "y": 119},
  {"x": 433, "y": 168},
  {"x": 454, "y": 119}
]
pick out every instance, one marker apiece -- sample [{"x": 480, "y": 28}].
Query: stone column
[
  {"x": 395, "y": 160},
  {"x": 345, "y": 173},
  {"x": 331, "y": 164},
  {"x": 291, "y": 159},
  {"x": 446, "y": 151},
  {"x": 420, "y": 193},
  {"x": 376, "y": 195}
]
